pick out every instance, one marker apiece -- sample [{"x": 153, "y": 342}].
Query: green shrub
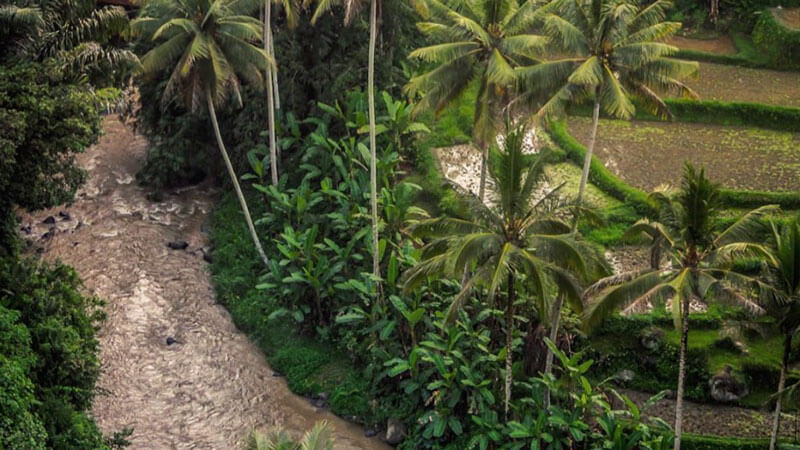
[
  {"x": 19, "y": 426},
  {"x": 777, "y": 41},
  {"x": 45, "y": 121},
  {"x": 48, "y": 329}
]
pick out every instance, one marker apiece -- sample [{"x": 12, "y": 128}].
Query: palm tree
[
  {"x": 520, "y": 235},
  {"x": 207, "y": 46},
  {"x": 481, "y": 40},
  {"x": 318, "y": 438},
  {"x": 783, "y": 275},
  {"x": 74, "y": 33},
  {"x": 700, "y": 266},
  {"x": 352, "y": 7},
  {"x": 612, "y": 51},
  {"x": 271, "y": 78}
]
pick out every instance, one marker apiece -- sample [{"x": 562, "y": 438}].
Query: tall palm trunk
[
  {"x": 274, "y": 73},
  {"x": 484, "y": 157},
  {"x": 682, "y": 369},
  {"x": 373, "y": 169},
  {"x": 273, "y": 155},
  {"x": 587, "y": 161},
  {"x": 509, "y": 341},
  {"x": 213, "y": 113},
  {"x": 548, "y": 362},
  {"x": 776, "y": 421}
]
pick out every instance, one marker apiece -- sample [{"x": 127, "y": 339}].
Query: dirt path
[{"x": 212, "y": 386}]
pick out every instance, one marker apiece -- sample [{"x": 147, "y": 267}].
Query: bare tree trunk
[
  {"x": 548, "y": 363},
  {"x": 587, "y": 161},
  {"x": 373, "y": 170},
  {"x": 509, "y": 342},
  {"x": 273, "y": 155},
  {"x": 275, "y": 72},
  {"x": 484, "y": 157},
  {"x": 713, "y": 13},
  {"x": 682, "y": 370},
  {"x": 776, "y": 421},
  {"x": 212, "y": 112}
]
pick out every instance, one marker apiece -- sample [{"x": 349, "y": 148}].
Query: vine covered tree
[
  {"x": 611, "y": 51},
  {"x": 700, "y": 270},
  {"x": 207, "y": 46},
  {"x": 522, "y": 234}
]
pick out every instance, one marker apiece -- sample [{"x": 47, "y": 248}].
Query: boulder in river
[
  {"x": 725, "y": 387},
  {"x": 395, "y": 431},
  {"x": 50, "y": 220},
  {"x": 178, "y": 245}
]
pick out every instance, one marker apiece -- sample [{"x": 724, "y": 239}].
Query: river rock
[
  {"x": 725, "y": 387},
  {"x": 395, "y": 431},
  {"x": 50, "y": 220},
  {"x": 208, "y": 253},
  {"x": 178, "y": 245},
  {"x": 64, "y": 215}
]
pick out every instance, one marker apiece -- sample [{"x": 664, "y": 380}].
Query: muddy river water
[{"x": 210, "y": 386}]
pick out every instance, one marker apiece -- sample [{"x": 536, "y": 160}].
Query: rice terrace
[{"x": 438, "y": 224}]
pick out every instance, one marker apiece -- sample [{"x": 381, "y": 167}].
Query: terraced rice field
[
  {"x": 648, "y": 154},
  {"x": 722, "y": 45},
  {"x": 739, "y": 84}
]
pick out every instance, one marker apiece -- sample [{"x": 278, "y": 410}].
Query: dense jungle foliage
[{"x": 476, "y": 321}]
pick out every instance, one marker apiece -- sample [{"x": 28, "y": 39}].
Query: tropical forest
[{"x": 412, "y": 224}]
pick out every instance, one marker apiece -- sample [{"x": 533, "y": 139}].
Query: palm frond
[
  {"x": 749, "y": 228},
  {"x": 636, "y": 290}
]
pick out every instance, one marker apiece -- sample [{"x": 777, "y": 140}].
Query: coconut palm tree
[
  {"x": 783, "y": 275},
  {"x": 206, "y": 44},
  {"x": 611, "y": 51},
  {"x": 317, "y": 438},
  {"x": 522, "y": 234},
  {"x": 481, "y": 40},
  {"x": 291, "y": 9},
  {"x": 73, "y": 33},
  {"x": 700, "y": 268},
  {"x": 352, "y": 7}
]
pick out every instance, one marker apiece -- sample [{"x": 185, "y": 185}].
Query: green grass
[{"x": 764, "y": 352}]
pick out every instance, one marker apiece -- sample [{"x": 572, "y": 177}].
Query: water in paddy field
[{"x": 210, "y": 385}]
